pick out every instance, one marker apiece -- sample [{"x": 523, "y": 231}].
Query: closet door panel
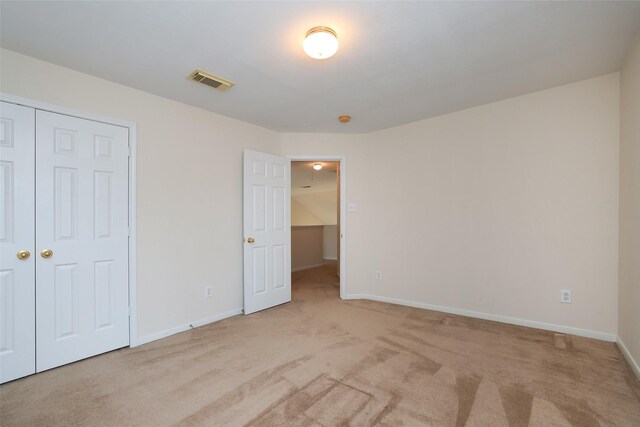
[
  {"x": 17, "y": 240},
  {"x": 82, "y": 218}
]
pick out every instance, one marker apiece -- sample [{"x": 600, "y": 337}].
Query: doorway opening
[{"x": 317, "y": 226}]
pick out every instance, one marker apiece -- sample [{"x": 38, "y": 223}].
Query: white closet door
[
  {"x": 17, "y": 239},
  {"x": 267, "y": 231},
  {"x": 82, "y": 218}
]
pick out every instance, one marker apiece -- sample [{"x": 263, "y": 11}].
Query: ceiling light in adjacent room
[
  {"x": 317, "y": 166},
  {"x": 320, "y": 42}
]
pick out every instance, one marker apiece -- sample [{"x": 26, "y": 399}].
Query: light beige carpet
[{"x": 322, "y": 361}]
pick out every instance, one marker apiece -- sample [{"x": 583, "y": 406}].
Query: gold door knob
[
  {"x": 23, "y": 255},
  {"x": 250, "y": 240},
  {"x": 46, "y": 253}
]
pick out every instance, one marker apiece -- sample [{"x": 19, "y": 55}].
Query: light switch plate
[{"x": 352, "y": 207}]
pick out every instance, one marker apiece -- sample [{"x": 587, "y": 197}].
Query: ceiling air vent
[{"x": 210, "y": 80}]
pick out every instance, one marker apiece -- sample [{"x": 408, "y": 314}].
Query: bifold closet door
[
  {"x": 17, "y": 240},
  {"x": 82, "y": 233}
]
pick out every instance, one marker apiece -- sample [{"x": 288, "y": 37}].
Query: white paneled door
[
  {"x": 267, "y": 231},
  {"x": 82, "y": 233},
  {"x": 17, "y": 239}
]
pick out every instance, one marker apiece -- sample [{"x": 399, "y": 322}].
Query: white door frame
[
  {"x": 343, "y": 209},
  {"x": 133, "y": 143}
]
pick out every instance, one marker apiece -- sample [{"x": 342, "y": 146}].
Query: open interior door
[{"x": 267, "y": 231}]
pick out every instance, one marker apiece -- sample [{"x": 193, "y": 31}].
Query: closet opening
[{"x": 316, "y": 229}]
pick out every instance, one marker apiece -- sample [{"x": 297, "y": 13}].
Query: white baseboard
[
  {"x": 627, "y": 355},
  {"x": 330, "y": 258},
  {"x": 604, "y": 336},
  {"x": 306, "y": 267},
  {"x": 186, "y": 327}
]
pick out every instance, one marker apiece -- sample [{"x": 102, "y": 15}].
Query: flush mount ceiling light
[
  {"x": 317, "y": 166},
  {"x": 320, "y": 42}
]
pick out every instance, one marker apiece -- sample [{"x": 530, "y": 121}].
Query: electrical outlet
[
  {"x": 565, "y": 296},
  {"x": 208, "y": 292},
  {"x": 379, "y": 275}
]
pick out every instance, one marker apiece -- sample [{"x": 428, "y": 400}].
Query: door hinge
[
  {"x": 130, "y": 311},
  {"x": 130, "y": 151},
  {"x": 129, "y": 231}
]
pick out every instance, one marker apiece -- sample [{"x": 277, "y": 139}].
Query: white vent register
[{"x": 210, "y": 80}]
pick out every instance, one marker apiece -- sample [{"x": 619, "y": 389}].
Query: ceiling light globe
[
  {"x": 317, "y": 166},
  {"x": 320, "y": 43}
]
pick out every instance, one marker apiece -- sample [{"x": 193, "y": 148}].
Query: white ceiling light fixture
[
  {"x": 320, "y": 42},
  {"x": 317, "y": 166}
]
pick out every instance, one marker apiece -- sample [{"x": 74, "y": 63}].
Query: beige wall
[
  {"x": 306, "y": 247},
  {"x": 629, "y": 319},
  {"x": 323, "y": 205},
  {"x": 300, "y": 215},
  {"x": 189, "y": 188},
  {"x": 492, "y": 209},
  {"x": 330, "y": 242}
]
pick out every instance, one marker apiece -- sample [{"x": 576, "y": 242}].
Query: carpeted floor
[{"x": 323, "y": 361}]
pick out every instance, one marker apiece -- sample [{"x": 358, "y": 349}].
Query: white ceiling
[
  {"x": 303, "y": 174},
  {"x": 398, "y": 61}
]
